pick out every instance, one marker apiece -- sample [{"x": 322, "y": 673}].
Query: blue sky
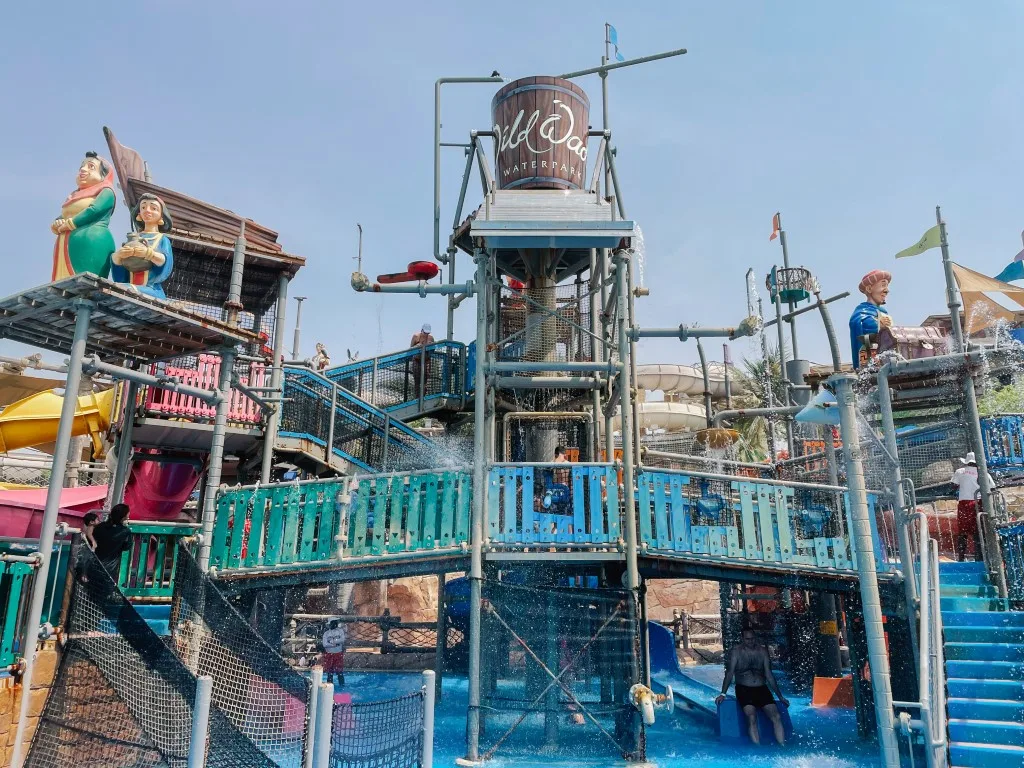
[{"x": 309, "y": 117}]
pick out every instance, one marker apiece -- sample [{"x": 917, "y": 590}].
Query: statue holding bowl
[{"x": 145, "y": 260}]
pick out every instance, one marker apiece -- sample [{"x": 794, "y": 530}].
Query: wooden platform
[{"x": 125, "y": 324}]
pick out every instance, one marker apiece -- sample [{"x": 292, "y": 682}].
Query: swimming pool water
[{"x": 823, "y": 739}]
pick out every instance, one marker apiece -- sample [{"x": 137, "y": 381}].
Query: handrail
[{"x": 931, "y": 658}]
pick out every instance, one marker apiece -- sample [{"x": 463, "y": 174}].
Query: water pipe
[
  {"x": 747, "y": 327},
  {"x": 216, "y": 461},
  {"x": 277, "y": 375},
  {"x": 48, "y": 525},
  {"x": 551, "y": 365},
  {"x": 902, "y": 515},
  {"x": 707, "y": 382},
  {"x": 200, "y": 722},
  {"x": 234, "y": 301},
  {"x": 551, "y": 382},
  {"x": 951, "y": 292},
  {"x": 33, "y": 361},
  {"x": 298, "y": 326},
  {"x": 361, "y": 283},
  {"x": 495, "y": 78},
  {"x": 316, "y": 678},
  {"x": 878, "y": 657},
  {"x": 740, "y": 413}
]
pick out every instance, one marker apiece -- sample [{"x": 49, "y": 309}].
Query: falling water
[{"x": 639, "y": 255}]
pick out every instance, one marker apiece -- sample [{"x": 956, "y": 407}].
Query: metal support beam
[
  {"x": 549, "y": 382},
  {"x": 95, "y": 365},
  {"x": 545, "y": 365},
  {"x": 276, "y": 378},
  {"x": 214, "y": 468},
  {"x": 200, "y": 722},
  {"x": 441, "y": 633},
  {"x": 684, "y": 333},
  {"x": 422, "y": 288},
  {"x": 476, "y": 572},
  {"x": 234, "y": 302},
  {"x": 878, "y": 657},
  {"x": 951, "y": 289},
  {"x": 741, "y": 413},
  {"x": 124, "y": 444},
  {"x": 48, "y": 525}
]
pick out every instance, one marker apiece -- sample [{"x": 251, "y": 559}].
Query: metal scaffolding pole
[
  {"x": 124, "y": 444},
  {"x": 216, "y": 460},
  {"x": 48, "y": 525},
  {"x": 878, "y": 658},
  {"x": 480, "y": 459},
  {"x": 276, "y": 378}
]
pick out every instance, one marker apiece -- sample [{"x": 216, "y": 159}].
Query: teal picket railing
[
  {"x": 302, "y": 523},
  {"x": 148, "y": 568},
  {"x": 15, "y": 587},
  {"x": 784, "y": 524},
  {"x": 553, "y": 504}
]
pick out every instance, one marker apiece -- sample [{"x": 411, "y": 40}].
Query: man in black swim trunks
[{"x": 750, "y": 665}]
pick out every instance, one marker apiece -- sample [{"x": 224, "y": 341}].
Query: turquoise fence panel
[
  {"x": 579, "y": 506},
  {"x": 15, "y": 576},
  {"x": 415, "y": 524},
  {"x": 766, "y": 522},
  {"x": 611, "y": 485},
  {"x": 275, "y": 525},
  {"x": 748, "y": 497},
  {"x": 464, "y": 504},
  {"x": 598, "y": 528},
  {"x": 148, "y": 567},
  {"x": 448, "y": 508},
  {"x": 360, "y": 544},
  {"x": 644, "y": 507},
  {"x": 291, "y": 526},
  {"x": 512, "y": 477},
  {"x": 530, "y": 521},
  {"x": 219, "y": 546},
  {"x": 430, "y": 520},
  {"x": 255, "y": 552},
  {"x": 660, "y": 499},
  {"x": 680, "y": 511},
  {"x": 399, "y": 498},
  {"x": 379, "y": 505},
  {"x": 783, "y": 509}
]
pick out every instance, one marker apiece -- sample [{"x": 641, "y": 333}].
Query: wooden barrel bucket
[{"x": 540, "y": 128}]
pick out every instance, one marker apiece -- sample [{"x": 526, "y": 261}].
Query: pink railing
[{"x": 163, "y": 402}]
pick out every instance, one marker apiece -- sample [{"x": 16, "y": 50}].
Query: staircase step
[
  {"x": 985, "y": 670},
  {"x": 969, "y": 567},
  {"x": 985, "y": 652},
  {"x": 962, "y": 618},
  {"x": 987, "y": 732},
  {"x": 1006, "y": 690},
  {"x": 974, "y": 604},
  {"x": 970, "y": 755},
  {"x": 983, "y": 634},
  {"x": 968, "y": 590},
  {"x": 963, "y": 578},
  {"x": 986, "y": 709}
]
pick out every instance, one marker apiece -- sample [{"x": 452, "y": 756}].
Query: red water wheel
[{"x": 416, "y": 271}]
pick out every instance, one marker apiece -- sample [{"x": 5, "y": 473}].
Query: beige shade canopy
[{"x": 980, "y": 310}]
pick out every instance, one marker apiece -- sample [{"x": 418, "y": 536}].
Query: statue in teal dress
[
  {"x": 84, "y": 242},
  {"x": 870, "y": 316},
  {"x": 145, "y": 260}
]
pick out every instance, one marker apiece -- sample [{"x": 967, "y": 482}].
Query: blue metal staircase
[{"x": 984, "y": 647}]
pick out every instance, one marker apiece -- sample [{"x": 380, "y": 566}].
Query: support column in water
[{"x": 541, "y": 342}]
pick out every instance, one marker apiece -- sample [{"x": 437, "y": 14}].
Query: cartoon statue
[
  {"x": 84, "y": 242},
  {"x": 146, "y": 260},
  {"x": 321, "y": 360},
  {"x": 870, "y": 316}
]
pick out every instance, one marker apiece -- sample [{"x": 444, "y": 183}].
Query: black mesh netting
[
  {"x": 380, "y": 734},
  {"x": 252, "y": 685},
  {"x": 121, "y": 697},
  {"x": 558, "y": 663}
]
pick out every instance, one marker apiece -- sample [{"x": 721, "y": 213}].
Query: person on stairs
[
  {"x": 966, "y": 481},
  {"x": 113, "y": 538}
]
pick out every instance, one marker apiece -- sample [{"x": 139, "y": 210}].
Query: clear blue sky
[{"x": 853, "y": 120}]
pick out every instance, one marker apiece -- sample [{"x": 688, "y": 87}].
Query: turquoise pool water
[{"x": 822, "y": 739}]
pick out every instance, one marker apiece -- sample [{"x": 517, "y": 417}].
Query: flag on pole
[
  {"x": 930, "y": 239},
  {"x": 776, "y": 226},
  {"x": 1015, "y": 269},
  {"x": 613, "y": 38}
]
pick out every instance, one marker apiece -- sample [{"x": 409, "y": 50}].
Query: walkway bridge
[{"x": 690, "y": 525}]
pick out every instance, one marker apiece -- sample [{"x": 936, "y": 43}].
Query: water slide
[
  {"x": 33, "y": 420},
  {"x": 677, "y": 380}
]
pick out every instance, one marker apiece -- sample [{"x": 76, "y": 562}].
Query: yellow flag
[{"x": 930, "y": 239}]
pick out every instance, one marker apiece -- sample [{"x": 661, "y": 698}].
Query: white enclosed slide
[{"x": 675, "y": 379}]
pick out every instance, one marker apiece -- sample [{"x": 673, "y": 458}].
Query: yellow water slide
[{"x": 33, "y": 420}]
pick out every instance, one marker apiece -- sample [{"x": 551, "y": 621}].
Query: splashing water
[{"x": 639, "y": 254}]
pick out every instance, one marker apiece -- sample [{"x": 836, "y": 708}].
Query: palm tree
[{"x": 754, "y": 381}]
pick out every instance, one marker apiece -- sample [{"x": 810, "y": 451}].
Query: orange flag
[{"x": 776, "y": 226}]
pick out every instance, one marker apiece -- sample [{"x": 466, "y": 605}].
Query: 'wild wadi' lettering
[{"x": 512, "y": 136}]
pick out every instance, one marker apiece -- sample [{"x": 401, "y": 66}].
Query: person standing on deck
[
  {"x": 751, "y": 666},
  {"x": 333, "y": 659},
  {"x": 966, "y": 481},
  {"x": 88, "y": 527},
  {"x": 421, "y": 339},
  {"x": 113, "y": 538}
]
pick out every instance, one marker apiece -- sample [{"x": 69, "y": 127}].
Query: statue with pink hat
[{"x": 870, "y": 316}]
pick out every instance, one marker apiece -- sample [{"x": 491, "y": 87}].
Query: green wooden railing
[
  {"x": 14, "y": 589},
  {"x": 147, "y": 569},
  {"x": 299, "y": 523}
]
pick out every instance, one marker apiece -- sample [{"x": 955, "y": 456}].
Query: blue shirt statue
[
  {"x": 870, "y": 316},
  {"x": 146, "y": 260}
]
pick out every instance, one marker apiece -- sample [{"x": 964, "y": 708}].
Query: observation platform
[
  {"x": 515, "y": 226},
  {"x": 124, "y": 325},
  {"x": 690, "y": 525}
]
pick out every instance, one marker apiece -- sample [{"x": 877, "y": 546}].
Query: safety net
[
  {"x": 252, "y": 685},
  {"x": 379, "y": 734},
  {"x": 557, "y": 666},
  {"x": 120, "y": 696}
]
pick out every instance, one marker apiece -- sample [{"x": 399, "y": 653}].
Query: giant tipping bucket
[{"x": 540, "y": 128}]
